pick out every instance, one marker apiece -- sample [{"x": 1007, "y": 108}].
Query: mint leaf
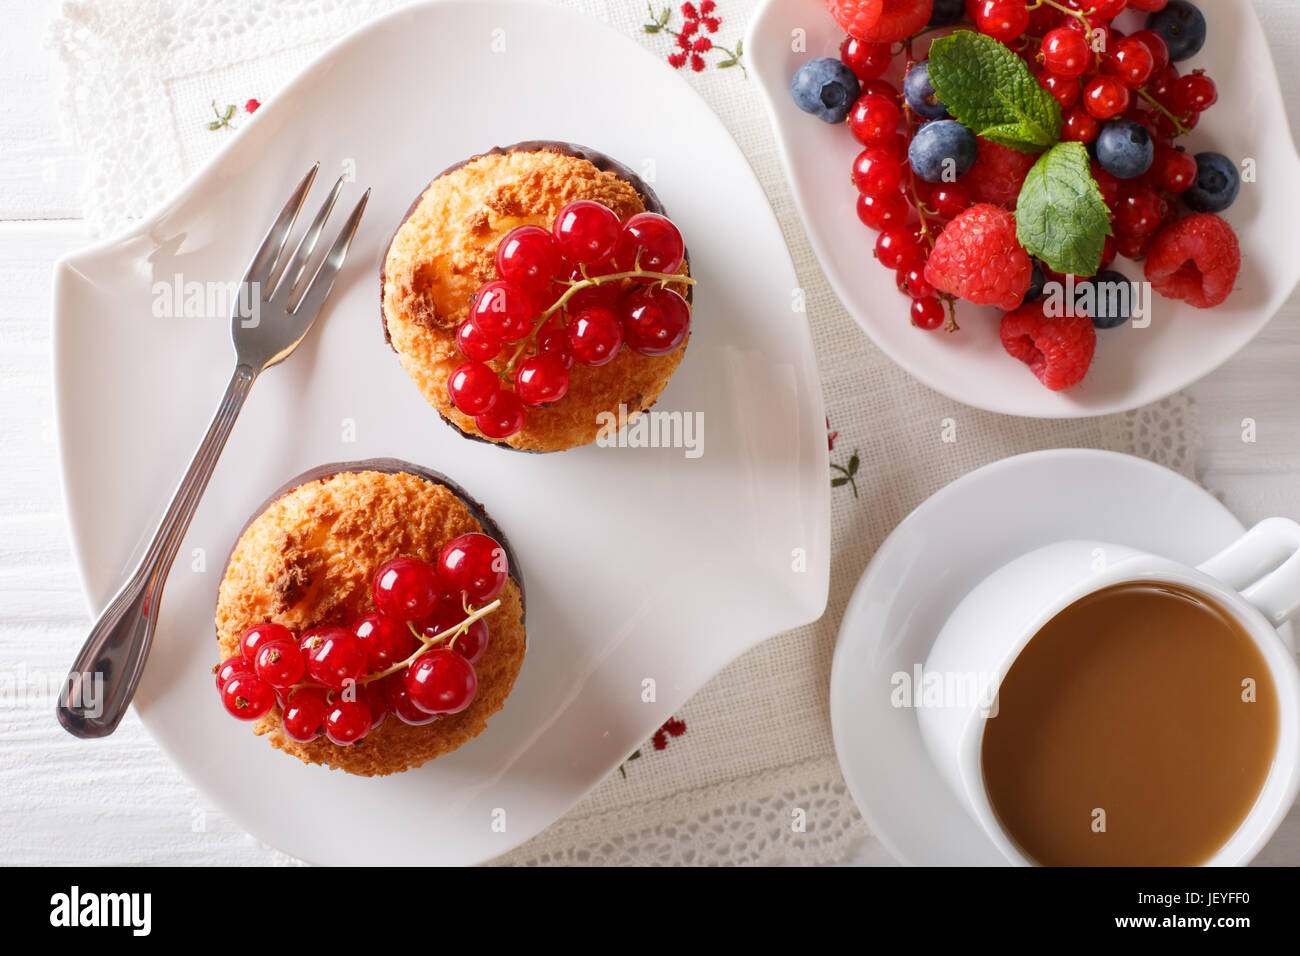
[
  {"x": 989, "y": 89},
  {"x": 1060, "y": 216}
]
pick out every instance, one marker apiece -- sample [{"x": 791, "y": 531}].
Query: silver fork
[{"x": 284, "y": 305}]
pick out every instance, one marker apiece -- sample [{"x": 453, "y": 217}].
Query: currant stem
[
  {"x": 427, "y": 642},
  {"x": 1150, "y": 98}
]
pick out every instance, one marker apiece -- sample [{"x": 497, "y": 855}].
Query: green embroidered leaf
[
  {"x": 1060, "y": 216},
  {"x": 989, "y": 89}
]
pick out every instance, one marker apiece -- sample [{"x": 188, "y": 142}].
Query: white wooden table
[{"x": 64, "y": 801}]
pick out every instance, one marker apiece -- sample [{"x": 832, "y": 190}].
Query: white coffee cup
[{"x": 1256, "y": 580}]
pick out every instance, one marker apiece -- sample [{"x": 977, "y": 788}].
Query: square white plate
[{"x": 641, "y": 564}]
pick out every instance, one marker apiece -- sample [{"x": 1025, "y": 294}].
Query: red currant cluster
[
  {"x": 413, "y": 655},
  {"x": 577, "y": 292}
]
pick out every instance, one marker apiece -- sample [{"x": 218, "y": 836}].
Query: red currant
[
  {"x": 247, "y": 697},
  {"x": 541, "y": 380},
  {"x": 1080, "y": 126},
  {"x": 387, "y": 640},
  {"x": 1156, "y": 46},
  {"x": 1140, "y": 212},
  {"x": 868, "y": 61},
  {"x": 896, "y": 247},
  {"x": 1066, "y": 53},
  {"x": 334, "y": 656},
  {"x": 927, "y": 313},
  {"x": 587, "y": 231},
  {"x": 605, "y": 295},
  {"x": 553, "y": 340},
  {"x": 504, "y": 418},
  {"x": 259, "y": 633},
  {"x": 874, "y": 119},
  {"x": 440, "y": 681},
  {"x": 1169, "y": 131},
  {"x": 1105, "y": 9},
  {"x": 473, "y": 387},
  {"x": 1003, "y": 20},
  {"x": 400, "y": 703},
  {"x": 502, "y": 310},
  {"x": 469, "y": 645},
  {"x": 881, "y": 88},
  {"x": 881, "y": 212},
  {"x": 655, "y": 321},
  {"x": 475, "y": 565},
  {"x": 1173, "y": 170},
  {"x": 475, "y": 344},
  {"x": 1065, "y": 89},
  {"x": 304, "y": 714},
  {"x": 528, "y": 257},
  {"x": 949, "y": 200},
  {"x": 1108, "y": 184},
  {"x": 1195, "y": 93},
  {"x": 406, "y": 589},
  {"x": 347, "y": 722},
  {"x": 1105, "y": 97},
  {"x": 877, "y": 172},
  {"x": 1131, "y": 62},
  {"x": 375, "y": 697},
  {"x": 279, "y": 663},
  {"x": 232, "y": 666},
  {"x": 912, "y": 280},
  {"x": 1162, "y": 85},
  {"x": 651, "y": 241},
  {"x": 595, "y": 335}
]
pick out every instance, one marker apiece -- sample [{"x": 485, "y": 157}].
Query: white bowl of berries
[{"x": 1073, "y": 213}]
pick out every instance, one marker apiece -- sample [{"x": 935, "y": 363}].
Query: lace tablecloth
[{"x": 157, "y": 86}]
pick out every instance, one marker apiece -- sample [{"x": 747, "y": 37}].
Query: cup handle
[{"x": 1264, "y": 565}]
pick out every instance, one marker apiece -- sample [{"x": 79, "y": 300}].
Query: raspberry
[
  {"x": 1058, "y": 350},
  {"x": 978, "y": 258},
  {"x": 1195, "y": 259},
  {"x": 881, "y": 21},
  {"x": 997, "y": 175}
]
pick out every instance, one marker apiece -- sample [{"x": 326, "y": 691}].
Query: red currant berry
[
  {"x": 912, "y": 280},
  {"x": 1065, "y": 89},
  {"x": 259, "y": 633},
  {"x": 1066, "y": 53},
  {"x": 553, "y": 340},
  {"x": 232, "y": 666},
  {"x": 247, "y": 697},
  {"x": 881, "y": 88},
  {"x": 304, "y": 714},
  {"x": 334, "y": 656},
  {"x": 1140, "y": 212},
  {"x": 1195, "y": 94},
  {"x": 868, "y": 61},
  {"x": 1108, "y": 250},
  {"x": 1003, "y": 20},
  {"x": 504, "y": 418},
  {"x": 474, "y": 565},
  {"x": 279, "y": 663},
  {"x": 1131, "y": 62},
  {"x": 1156, "y": 46},
  {"x": 472, "y": 387},
  {"x": 406, "y": 589},
  {"x": 1173, "y": 171},
  {"x": 927, "y": 313},
  {"x": 1105, "y": 9},
  {"x": 1105, "y": 97},
  {"x": 874, "y": 119},
  {"x": 1162, "y": 85},
  {"x": 528, "y": 257},
  {"x": 440, "y": 681},
  {"x": 652, "y": 242},
  {"x": 1134, "y": 247},
  {"x": 375, "y": 697},
  {"x": 541, "y": 380},
  {"x": 602, "y": 296},
  {"x": 347, "y": 722},
  {"x": 387, "y": 640},
  {"x": 502, "y": 310},
  {"x": 1080, "y": 126},
  {"x": 1107, "y": 183},
  {"x": 897, "y": 248},
  {"x": 587, "y": 231},
  {"x": 595, "y": 336},
  {"x": 400, "y": 703},
  {"x": 877, "y": 172},
  {"x": 469, "y": 645},
  {"x": 949, "y": 200},
  {"x": 881, "y": 212},
  {"x": 655, "y": 321},
  {"x": 1169, "y": 131},
  {"x": 475, "y": 344}
]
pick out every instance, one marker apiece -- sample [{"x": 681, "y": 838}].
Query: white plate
[
  {"x": 930, "y": 562},
  {"x": 640, "y": 564},
  {"x": 1132, "y": 366}
]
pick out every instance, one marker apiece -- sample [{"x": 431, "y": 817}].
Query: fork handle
[{"x": 99, "y": 688}]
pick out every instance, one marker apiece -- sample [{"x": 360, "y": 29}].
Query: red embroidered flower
[
  {"x": 659, "y": 740},
  {"x": 697, "y": 63},
  {"x": 707, "y": 7},
  {"x": 690, "y": 27},
  {"x": 712, "y": 23},
  {"x": 702, "y": 45},
  {"x": 830, "y": 436},
  {"x": 690, "y": 40},
  {"x": 689, "y": 11},
  {"x": 251, "y": 106},
  {"x": 683, "y": 41},
  {"x": 677, "y": 60}
]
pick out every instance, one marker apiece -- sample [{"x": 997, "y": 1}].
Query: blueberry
[
  {"x": 947, "y": 11},
  {"x": 1037, "y": 284},
  {"x": 920, "y": 93},
  {"x": 1112, "y": 298},
  {"x": 826, "y": 88},
  {"x": 1183, "y": 27},
  {"x": 1124, "y": 149},
  {"x": 1217, "y": 183},
  {"x": 942, "y": 150}
]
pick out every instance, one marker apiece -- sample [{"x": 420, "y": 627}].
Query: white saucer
[{"x": 929, "y": 563}]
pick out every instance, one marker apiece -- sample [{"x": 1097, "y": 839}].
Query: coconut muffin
[
  {"x": 445, "y": 250},
  {"x": 307, "y": 559}
]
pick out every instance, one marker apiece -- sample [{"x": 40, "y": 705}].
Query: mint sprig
[
  {"x": 989, "y": 89},
  {"x": 1061, "y": 216}
]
